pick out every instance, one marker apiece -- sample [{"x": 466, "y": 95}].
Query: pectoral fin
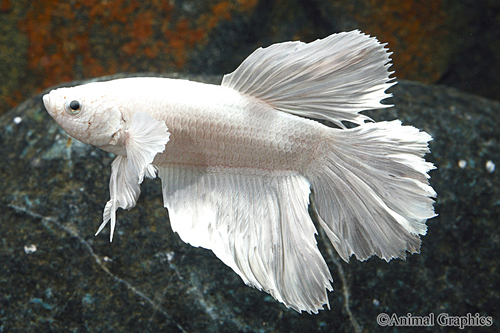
[{"x": 144, "y": 138}]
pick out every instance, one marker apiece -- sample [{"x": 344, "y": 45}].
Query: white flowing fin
[
  {"x": 144, "y": 138},
  {"x": 150, "y": 171},
  {"x": 371, "y": 190},
  {"x": 332, "y": 78},
  {"x": 256, "y": 224}
]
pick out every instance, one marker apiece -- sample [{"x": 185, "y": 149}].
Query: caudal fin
[{"x": 371, "y": 189}]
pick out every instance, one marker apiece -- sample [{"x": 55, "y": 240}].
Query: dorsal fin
[{"x": 332, "y": 78}]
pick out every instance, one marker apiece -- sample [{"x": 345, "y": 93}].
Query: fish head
[{"x": 88, "y": 113}]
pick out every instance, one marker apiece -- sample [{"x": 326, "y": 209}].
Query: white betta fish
[{"x": 238, "y": 161}]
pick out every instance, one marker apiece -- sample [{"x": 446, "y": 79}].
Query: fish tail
[{"x": 371, "y": 191}]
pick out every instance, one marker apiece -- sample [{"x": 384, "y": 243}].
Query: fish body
[
  {"x": 238, "y": 162},
  {"x": 217, "y": 127}
]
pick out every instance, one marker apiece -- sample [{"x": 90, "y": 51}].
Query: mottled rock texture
[
  {"x": 45, "y": 42},
  {"x": 56, "y": 276}
]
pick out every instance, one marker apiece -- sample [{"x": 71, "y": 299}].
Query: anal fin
[{"x": 258, "y": 225}]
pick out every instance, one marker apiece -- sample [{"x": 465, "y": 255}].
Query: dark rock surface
[
  {"x": 45, "y": 42},
  {"x": 55, "y": 275}
]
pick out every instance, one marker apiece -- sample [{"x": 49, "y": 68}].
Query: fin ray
[
  {"x": 371, "y": 190},
  {"x": 332, "y": 78},
  {"x": 145, "y": 137},
  {"x": 257, "y": 225}
]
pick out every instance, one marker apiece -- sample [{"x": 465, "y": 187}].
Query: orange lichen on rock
[
  {"x": 5, "y": 6},
  {"x": 142, "y": 27},
  {"x": 407, "y": 26},
  {"x": 81, "y": 38},
  {"x": 51, "y": 54},
  {"x": 181, "y": 39},
  {"x": 220, "y": 11}
]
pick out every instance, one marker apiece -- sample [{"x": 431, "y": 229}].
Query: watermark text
[{"x": 442, "y": 319}]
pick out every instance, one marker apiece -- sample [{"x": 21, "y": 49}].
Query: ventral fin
[
  {"x": 144, "y": 138},
  {"x": 332, "y": 78}
]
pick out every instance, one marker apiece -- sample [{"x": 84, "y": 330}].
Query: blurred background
[{"x": 44, "y": 43}]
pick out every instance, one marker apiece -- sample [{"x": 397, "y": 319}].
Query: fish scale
[{"x": 249, "y": 134}]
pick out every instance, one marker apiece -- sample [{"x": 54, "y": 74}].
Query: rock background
[
  {"x": 44, "y": 43},
  {"x": 56, "y": 276}
]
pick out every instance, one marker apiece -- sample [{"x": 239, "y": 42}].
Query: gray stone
[{"x": 55, "y": 275}]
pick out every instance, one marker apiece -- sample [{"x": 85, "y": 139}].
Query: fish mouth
[
  {"x": 48, "y": 105},
  {"x": 46, "y": 101}
]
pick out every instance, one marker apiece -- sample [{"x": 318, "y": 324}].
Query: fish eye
[{"x": 73, "y": 107}]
